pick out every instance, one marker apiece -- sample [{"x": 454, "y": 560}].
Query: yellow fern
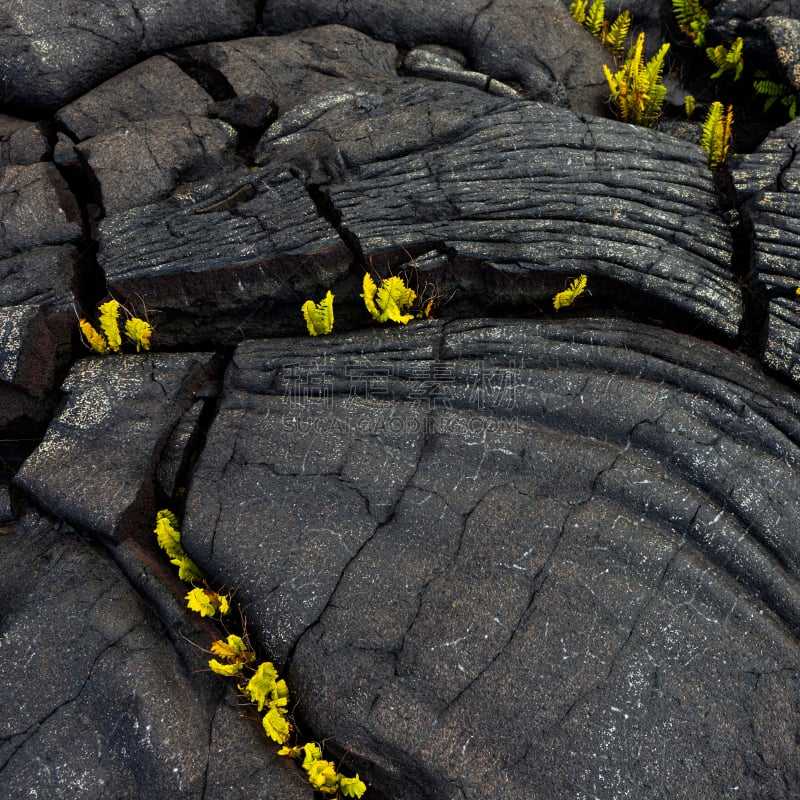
[
  {"x": 614, "y": 37},
  {"x": 716, "y": 135},
  {"x": 567, "y": 297},
  {"x": 139, "y": 332},
  {"x": 692, "y": 20},
  {"x": 94, "y": 338},
  {"x": 319, "y": 316},
  {"x": 389, "y": 301},
  {"x": 637, "y": 93},
  {"x": 109, "y": 322}
]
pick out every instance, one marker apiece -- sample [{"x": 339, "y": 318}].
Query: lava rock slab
[
  {"x": 769, "y": 183},
  {"x": 498, "y": 558},
  {"x": 536, "y": 45},
  {"x": 117, "y": 415},
  {"x": 521, "y": 187},
  {"x": 49, "y": 56},
  {"x": 97, "y": 701}
]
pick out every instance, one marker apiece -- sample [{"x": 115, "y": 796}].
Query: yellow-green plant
[
  {"x": 593, "y": 19},
  {"x": 319, "y": 316},
  {"x": 692, "y": 20},
  {"x": 590, "y": 16},
  {"x": 389, "y": 302},
  {"x": 637, "y": 93},
  {"x": 138, "y": 331},
  {"x": 773, "y": 90},
  {"x": 716, "y": 136},
  {"x": 689, "y": 104},
  {"x": 727, "y": 59},
  {"x": 613, "y": 36},
  {"x": 169, "y": 540},
  {"x": 264, "y": 688},
  {"x": 568, "y": 296}
]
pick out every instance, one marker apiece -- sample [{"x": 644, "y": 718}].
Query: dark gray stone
[
  {"x": 34, "y": 358},
  {"x": 444, "y": 64},
  {"x": 37, "y": 328},
  {"x": 155, "y": 88},
  {"x": 36, "y": 208},
  {"x": 536, "y": 45},
  {"x": 97, "y": 701},
  {"x": 144, "y": 162},
  {"x": 50, "y": 56},
  {"x": 521, "y": 186},
  {"x": 21, "y": 142},
  {"x": 112, "y": 425},
  {"x": 42, "y": 276},
  {"x": 769, "y": 181},
  {"x": 291, "y": 69},
  {"x": 232, "y": 257},
  {"x": 530, "y": 549}
]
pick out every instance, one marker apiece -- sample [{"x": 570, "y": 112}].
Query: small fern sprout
[
  {"x": 319, "y": 316},
  {"x": 390, "y": 300},
  {"x": 568, "y": 296},
  {"x": 727, "y": 60},
  {"x": 689, "y": 103},
  {"x": 716, "y": 136},
  {"x": 139, "y": 332},
  {"x": 109, "y": 323},
  {"x": 93, "y": 338}
]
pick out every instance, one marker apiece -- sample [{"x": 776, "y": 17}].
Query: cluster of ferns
[
  {"x": 258, "y": 683},
  {"x": 636, "y": 88}
]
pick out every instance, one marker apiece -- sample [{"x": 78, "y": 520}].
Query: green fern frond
[
  {"x": 727, "y": 60},
  {"x": 692, "y": 20},
  {"x": 319, "y": 316},
  {"x": 578, "y": 10},
  {"x": 595, "y": 18},
  {"x": 637, "y": 93},
  {"x": 689, "y": 104},
  {"x": 776, "y": 91},
  {"x": 716, "y": 136},
  {"x": 614, "y": 37}
]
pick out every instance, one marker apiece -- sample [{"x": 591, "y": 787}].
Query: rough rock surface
[
  {"x": 769, "y": 181},
  {"x": 463, "y": 514},
  {"x": 512, "y": 41},
  {"x": 100, "y": 698},
  {"x": 501, "y": 552},
  {"x": 51, "y": 54}
]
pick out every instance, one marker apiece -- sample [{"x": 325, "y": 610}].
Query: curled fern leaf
[
  {"x": 567, "y": 297},
  {"x": 94, "y": 338},
  {"x": 319, "y": 316}
]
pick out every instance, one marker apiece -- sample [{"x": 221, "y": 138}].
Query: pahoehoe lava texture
[{"x": 518, "y": 559}]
